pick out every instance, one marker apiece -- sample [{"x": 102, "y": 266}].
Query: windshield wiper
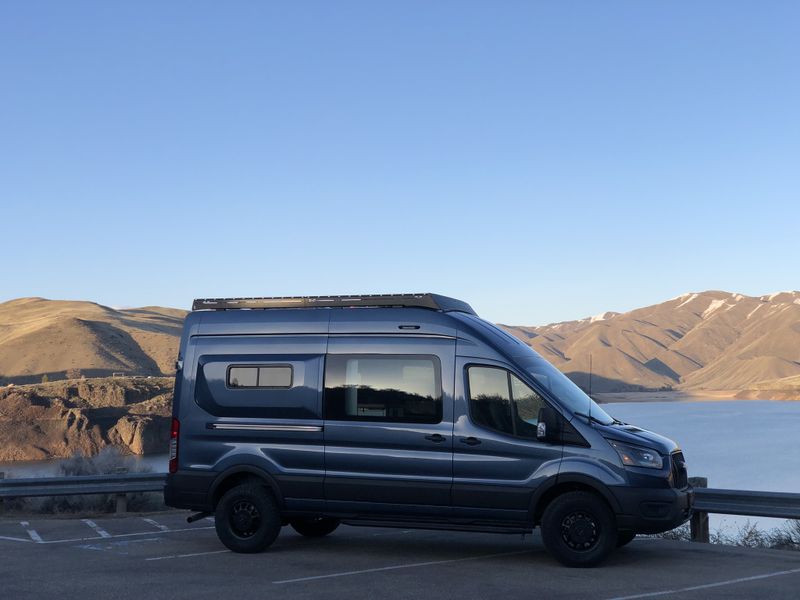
[{"x": 594, "y": 419}]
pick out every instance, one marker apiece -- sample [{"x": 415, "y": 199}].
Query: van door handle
[
  {"x": 470, "y": 441},
  {"x": 435, "y": 437}
]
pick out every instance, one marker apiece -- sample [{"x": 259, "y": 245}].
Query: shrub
[{"x": 109, "y": 461}]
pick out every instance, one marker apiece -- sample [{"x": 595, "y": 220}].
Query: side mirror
[{"x": 549, "y": 427}]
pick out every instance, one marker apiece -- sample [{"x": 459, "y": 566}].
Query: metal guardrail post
[
  {"x": 699, "y": 523},
  {"x": 121, "y": 499}
]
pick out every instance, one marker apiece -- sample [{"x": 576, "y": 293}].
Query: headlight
[{"x": 634, "y": 456}]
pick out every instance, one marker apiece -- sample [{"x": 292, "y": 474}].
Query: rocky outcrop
[{"x": 84, "y": 416}]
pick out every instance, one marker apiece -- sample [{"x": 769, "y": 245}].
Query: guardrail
[
  {"x": 706, "y": 500},
  {"x": 777, "y": 505},
  {"x": 119, "y": 484}
]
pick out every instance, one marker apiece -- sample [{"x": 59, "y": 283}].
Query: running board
[{"x": 438, "y": 526}]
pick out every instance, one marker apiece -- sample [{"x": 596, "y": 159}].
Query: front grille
[{"x": 680, "y": 478}]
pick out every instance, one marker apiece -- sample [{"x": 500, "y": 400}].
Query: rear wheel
[
  {"x": 247, "y": 518},
  {"x": 624, "y": 538},
  {"x": 315, "y": 527},
  {"x": 579, "y": 529}
]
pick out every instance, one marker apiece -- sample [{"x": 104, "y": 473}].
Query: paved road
[{"x": 161, "y": 556}]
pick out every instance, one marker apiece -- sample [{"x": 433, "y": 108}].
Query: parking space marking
[
  {"x": 100, "y": 531},
  {"x": 404, "y": 566},
  {"x": 116, "y": 545},
  {"x": 14, "y": 539},
  {"x": 187, "y": 555},
  {"x": 156, "y": 524},
  {"x": 31, "y": 532},
  {"x": 706, "y": 586},
  {"x": 121, "y": 535}
]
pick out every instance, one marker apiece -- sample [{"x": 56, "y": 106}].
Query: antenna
[{"x": 590, "y": 389}]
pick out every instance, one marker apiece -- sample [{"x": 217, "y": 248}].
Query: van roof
[{"x": 425, "y": 300}]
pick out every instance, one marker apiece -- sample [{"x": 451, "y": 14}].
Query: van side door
[
  {"x": 388, "y": 408},
  {"x": 497, "y": 460}
]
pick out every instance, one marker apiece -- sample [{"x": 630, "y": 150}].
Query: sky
[{"x": 543, "y": 161}]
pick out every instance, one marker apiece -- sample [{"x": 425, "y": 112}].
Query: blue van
[{"x": 401, "y": 411}]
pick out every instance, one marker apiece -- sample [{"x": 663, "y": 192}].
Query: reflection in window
[
  {"x": 383, "y": 388},
  {"x": 243, "y": 376},
  {"x": 278, "y": 376},
  {"x": 499, "y": 400}
]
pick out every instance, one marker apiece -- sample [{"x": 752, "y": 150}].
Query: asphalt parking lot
[{"x": 161, "y": 556}]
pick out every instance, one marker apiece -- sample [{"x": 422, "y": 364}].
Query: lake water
[
  {"x": 740, "y": 445},
  {"x": 156, "y": 463}
]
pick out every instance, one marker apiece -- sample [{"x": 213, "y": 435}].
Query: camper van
[{"x": 401, "y": 411}]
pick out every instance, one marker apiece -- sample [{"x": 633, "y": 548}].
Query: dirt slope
[
  {"x": 83, "y": 416},
  {"x": 708, "y": 340},
  {"x": 39, "y": 337}
]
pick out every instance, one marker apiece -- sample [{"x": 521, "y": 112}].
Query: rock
[{"x": 61, "y": 419}]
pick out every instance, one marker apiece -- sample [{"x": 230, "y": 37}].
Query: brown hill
[
  {"x": 709, "y": 340},
  {"x": 83, "y": 416},
  {"x": 49, "y": 337}
]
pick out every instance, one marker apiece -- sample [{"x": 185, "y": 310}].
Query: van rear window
[
  {"x": 258, "y": 376},
  {"x": 404, "y": 389}
]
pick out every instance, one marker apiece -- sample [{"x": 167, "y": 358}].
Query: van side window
[
  {"x": 500, "y": 401},
  {"x": 405, "y": 389},
  {"x": 278, "y": 376}
]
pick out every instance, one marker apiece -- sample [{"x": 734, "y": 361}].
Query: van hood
[{"x": 630, "y": 434}]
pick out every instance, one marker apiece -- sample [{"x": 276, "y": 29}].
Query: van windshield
[{"x": 570, "y": 395}]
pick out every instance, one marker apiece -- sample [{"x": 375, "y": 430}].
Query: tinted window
[
  {"x": 489, "y": 398},
  {"x": 279, "y": 376},
  {"x": 243, "y": 376},
  {"x": 383, "y": 388},
  {"x": 499, "y": 400},
  {"x": 275, "y": 376}
]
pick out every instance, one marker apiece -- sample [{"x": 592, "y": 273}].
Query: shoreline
[{"x": 697, "y": 396}]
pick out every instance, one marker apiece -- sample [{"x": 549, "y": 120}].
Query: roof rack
[{"x": 431, "y": 301}]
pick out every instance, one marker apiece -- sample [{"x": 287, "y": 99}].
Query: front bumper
[{"x": 652, "y": 510}]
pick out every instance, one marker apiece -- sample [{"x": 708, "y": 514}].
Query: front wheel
[
  {"x": 247, "y": 518},
  {"x": 579, "y": 529},
  {"x": 316, "y": 527}
]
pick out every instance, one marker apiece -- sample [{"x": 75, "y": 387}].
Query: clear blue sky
[{"x": 542, "y": 160}]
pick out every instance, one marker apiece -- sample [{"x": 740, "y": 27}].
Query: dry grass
[{"x": 109, "y": 461}]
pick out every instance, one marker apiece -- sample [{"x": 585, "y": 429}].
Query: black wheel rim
[
  {"x": 244, "y": 518},
  {"x": 580, "y": 531}
]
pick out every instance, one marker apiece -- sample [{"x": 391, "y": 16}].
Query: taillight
[{"x": 173, "y": 445}]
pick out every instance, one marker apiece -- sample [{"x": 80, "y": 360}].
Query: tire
[
  {"x": 247, "y": 518},
  {"x": 624, "y": 538},
  {"x": 315, "y": 527},
  {"x": 579, "y": 529}
]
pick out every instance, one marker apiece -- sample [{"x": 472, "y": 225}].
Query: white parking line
[
  {"x": 122, "y": 535},
  {"x": 100, "y": 531},
  {"x": 31, "y": 532},
  {"x": 405, "y": 566},
  {"x": 156, "y": 524},
  {"x": 187, "y": 555},
  {"x": 708, "y": 585},
  {"x": 14, "y": 539}
]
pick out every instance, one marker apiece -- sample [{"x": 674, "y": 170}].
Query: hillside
[
  {"x": 49, "y": 337},
  {"x": 699, "y": 341},
  {"x": 83, "y": 416}
]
